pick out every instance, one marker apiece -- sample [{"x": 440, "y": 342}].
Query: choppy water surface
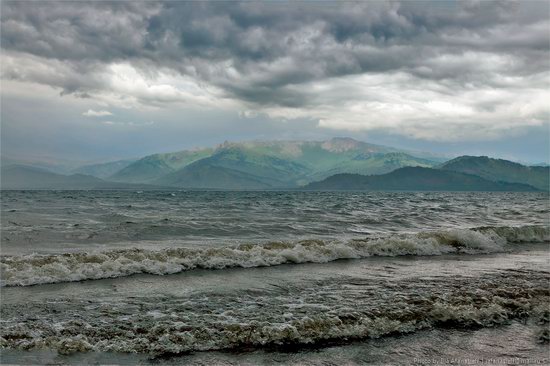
[
  {"x": 170, "y": 274},
  {"x": 46, "y": 220}
]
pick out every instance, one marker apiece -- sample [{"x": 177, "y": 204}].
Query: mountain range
[
  {"x": 272, "y": 164},
  {"x": 288, "y": 165}
]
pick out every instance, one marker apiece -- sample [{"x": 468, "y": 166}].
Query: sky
[{"x": 98, "y": 81}]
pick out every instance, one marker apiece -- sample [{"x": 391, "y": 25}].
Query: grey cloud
[
  {"x": 97, "y": 31},
  {"x": 267, "y": 53}
]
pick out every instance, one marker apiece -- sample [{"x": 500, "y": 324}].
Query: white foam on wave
[
  {"x": 176, "y": 337},
  {"x": 36, "y": 269},
  {"x": 317, "y": 313}
]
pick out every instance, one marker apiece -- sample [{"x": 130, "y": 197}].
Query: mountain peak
[{"x": 341, "y": 144}]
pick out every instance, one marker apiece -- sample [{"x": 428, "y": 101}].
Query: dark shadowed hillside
[
  {"x": 415, "y": 179},
  {"x": 205, "y": 176},
  {"x": 500, "y": 170}
]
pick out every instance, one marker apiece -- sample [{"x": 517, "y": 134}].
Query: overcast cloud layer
[{"x": 434, "y": 71}]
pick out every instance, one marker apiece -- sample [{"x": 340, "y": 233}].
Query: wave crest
[{"x": 36, "y": 269}]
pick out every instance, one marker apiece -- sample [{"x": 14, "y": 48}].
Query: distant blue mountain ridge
[{"x": 293, "y": 164}]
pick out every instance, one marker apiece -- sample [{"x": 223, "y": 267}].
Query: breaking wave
[
  {"x": 299, "y": 317},
  {"x": 36, "y": 269}
]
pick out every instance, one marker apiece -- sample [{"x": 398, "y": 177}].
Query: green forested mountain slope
[
  {"x": 277, "y": 164},
  {"x": 416, "y": 179},
  {"x": 500, "y": 170},
  {"x": 155, "y": 166}
]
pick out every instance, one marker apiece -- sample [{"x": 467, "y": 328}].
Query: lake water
[{"x": 273, "y": 277}]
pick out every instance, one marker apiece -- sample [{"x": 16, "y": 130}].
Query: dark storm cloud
[{"x": 263, "y": 52}]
